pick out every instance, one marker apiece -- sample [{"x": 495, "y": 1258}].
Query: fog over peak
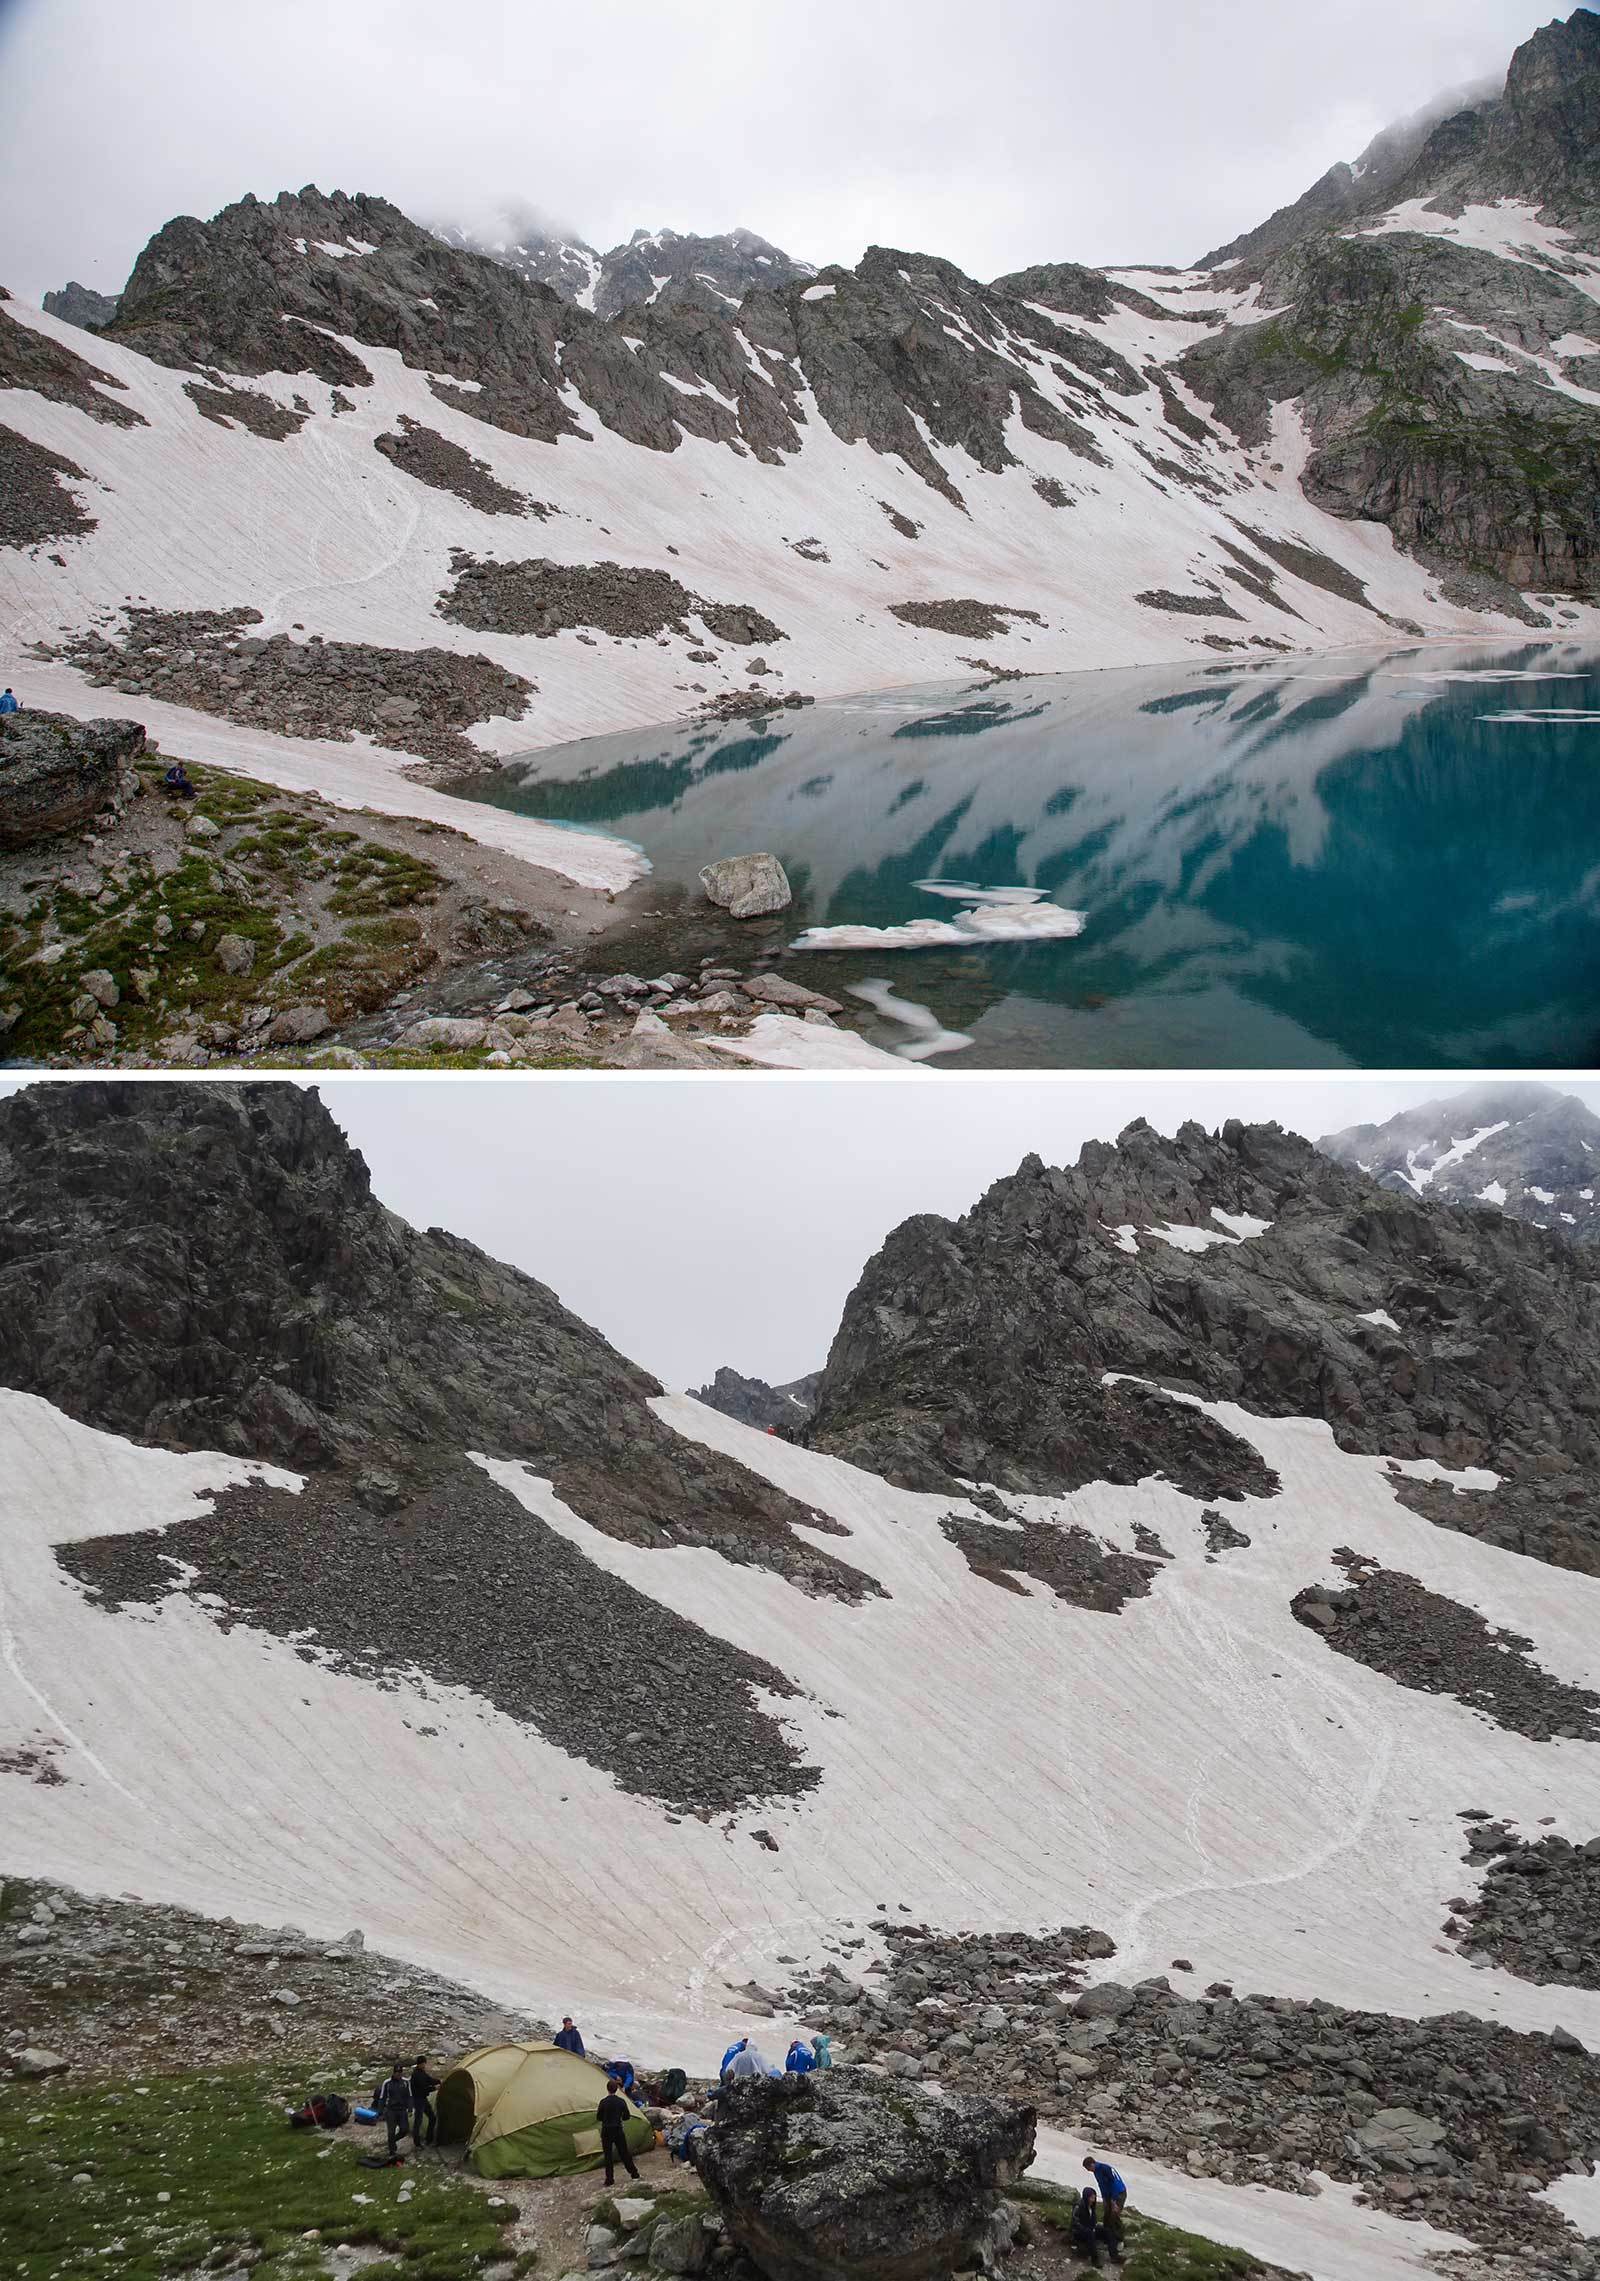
[{"x": 1045, "y": 133}]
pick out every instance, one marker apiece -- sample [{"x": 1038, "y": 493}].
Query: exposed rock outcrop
[
  {"x": 754, "y": 1403},
  {"x": 56, "y": 772},
  {"x": 1530, "y": 1150},
  {"x": 81, "y": 305},
  {"x": 847, "y": 2174},
  {"x": 1239, "y": 1266}
]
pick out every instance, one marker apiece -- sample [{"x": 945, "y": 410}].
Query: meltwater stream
[{"x": 1386, "y": 861}]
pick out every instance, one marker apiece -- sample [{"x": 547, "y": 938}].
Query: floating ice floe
[
  {"x": 1565, "y": 714},
  {"x": 994, "y": 914},
  {"x": 929, "y": 1036}
]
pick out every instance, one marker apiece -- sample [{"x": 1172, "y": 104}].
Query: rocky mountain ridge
[
  {"x": 652, "y": 269},
  {"x": 1530, "y": 1150},
  {"x": 754, "y": 1403},
  {"x": 1240, "y": 1266}
]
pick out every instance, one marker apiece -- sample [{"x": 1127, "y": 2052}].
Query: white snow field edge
[
  {"x": 1198, "y": 1775},
  {"x": 320, "y": 531}
]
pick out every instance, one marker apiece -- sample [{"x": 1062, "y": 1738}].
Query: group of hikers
[
  {"x": 742, "y": 2059},
  {"x": 1098, "y": 2214}
]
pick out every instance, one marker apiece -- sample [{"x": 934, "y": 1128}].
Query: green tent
[{"x": 527, "y": 2110}]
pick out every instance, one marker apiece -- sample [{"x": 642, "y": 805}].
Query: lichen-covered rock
[
  {"x": 747, "y": 886},
  {"x": 847, "y": 2176},
  {"x": 56, "y": 773}
]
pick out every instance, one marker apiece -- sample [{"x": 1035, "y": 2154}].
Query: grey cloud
[{"x": 1028, "y": 130}]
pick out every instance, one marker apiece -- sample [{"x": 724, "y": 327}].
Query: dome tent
[{"x": 527, "y": 2110}]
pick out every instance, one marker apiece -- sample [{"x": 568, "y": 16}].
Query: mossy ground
[
  {"x": 334, "y": 919},
  {"x": 1151, "y": 2251},
  {"x": 239, "y": 2181}
]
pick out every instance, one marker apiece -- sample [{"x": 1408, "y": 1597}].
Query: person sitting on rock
[
  {"x": 822, "y": 2050},
  {"x": 746, "y": 2060},
  {"x": 393, "y": 2102},
  {"x": 732, "y": 2053},
  {"x": 801, "y": 2060},
  {"x": 612, "y": 2116},
  {"x": 569, "y": 2039},
  {"x": 1084, "y": 2235},
  {"x": 8, "y": 702},
  {"x": 177, "y": 782}
]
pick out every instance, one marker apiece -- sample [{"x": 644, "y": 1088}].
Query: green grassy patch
[
  {"x": 1151, "y": 2251},
  {"x": 238, "y": 2180}
]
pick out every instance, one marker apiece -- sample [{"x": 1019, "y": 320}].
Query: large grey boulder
[
  {"x": 747, "y": 886},
  {"x": 56, "y": 773},
  {"x": 847, "y": 2173}
]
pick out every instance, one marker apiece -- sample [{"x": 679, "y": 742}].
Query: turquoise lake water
[{"x": 1383, "y": 861}]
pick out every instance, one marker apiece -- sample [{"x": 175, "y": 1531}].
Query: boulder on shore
[
  {"x": 847, "y": 2175},
  {"x": 747, "y": 886}
]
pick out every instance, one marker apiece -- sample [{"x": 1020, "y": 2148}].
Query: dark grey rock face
[
  {"x": 205, "y": 1266},
  {"x": 842, "y": 2173},
  {"x": 754, "y": 1403},
  {"x": 1393, "y": 1624},
  {"x": 81, "y": 305},
  {"x": 28, "y": 360},
  {"x": 1541, "y": 1164},
  {"x": 56, "y": 772},
  {"x": 976, "y": 1350}
]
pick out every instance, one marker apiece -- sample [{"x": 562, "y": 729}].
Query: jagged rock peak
[
  {"x": 82, "y": 306},
  {"x": 1530, "y": 1150},
  {"x": 1239, "y": 1266},
  {"x": 1536, "y": 136},
  {"x": 756, "y": 1403},
  {"x": 206, "y": 1266},
  {"x": 654, "y": 269}
]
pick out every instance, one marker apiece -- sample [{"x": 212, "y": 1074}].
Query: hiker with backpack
[
  {"x": 423, "y": 2086},
  {"x": 612, "y": 2116},
  {"x": 393, "y": 2102}
]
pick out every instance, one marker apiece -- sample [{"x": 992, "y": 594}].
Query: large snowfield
[
  {"x": 1198, "y": 1775},
  {"x": 321, "y": 533}
]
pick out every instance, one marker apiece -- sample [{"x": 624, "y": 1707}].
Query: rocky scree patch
[
  {"x": 1537, "y": 1912},
  {"x": 974, "y": 621},
  {"x": 458, "y": 1586},
  {"x": 433, "y": 459},
  {"x": 1454, "y": 2120},
  {"x": 545, "y": 598},
  {"x": 419, "y": 701},
  {"x": 35, "y": 505},
  {"x": 105, "y": 1984},
  {"x": 229, "y": 407},
  {"x": 1393, "y": 1624},
  {"x": 1070, "y": 1562},
  {"x": 28, "y": 360}
]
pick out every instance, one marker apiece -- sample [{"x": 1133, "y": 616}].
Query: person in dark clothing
[
  {"x": 569, "y": 2038},
  {"x": 424, "y": 2122},
  {"x": 177, "y": 782},
  {"x": 393, "y": 2103},
  {"x": 612, "y": 2116},
  {"x": 1085, "y": 2235}
]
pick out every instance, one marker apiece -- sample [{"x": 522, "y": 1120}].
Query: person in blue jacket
[
  {"x": 801, "y": 2060},
  {"x": 732, "y": 2052},
  {"x": 569, "y": 2038},
  {"x": 8, "y": 703},
  {"x": 1112, "y": 2190}
]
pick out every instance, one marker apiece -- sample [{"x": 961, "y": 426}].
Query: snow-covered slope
[{"x": 1046, "y": 495}]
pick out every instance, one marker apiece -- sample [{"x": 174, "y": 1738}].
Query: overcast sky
[
  {"x": 704, "y": 1220},
  {"x": 1015, "y": 131}
]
